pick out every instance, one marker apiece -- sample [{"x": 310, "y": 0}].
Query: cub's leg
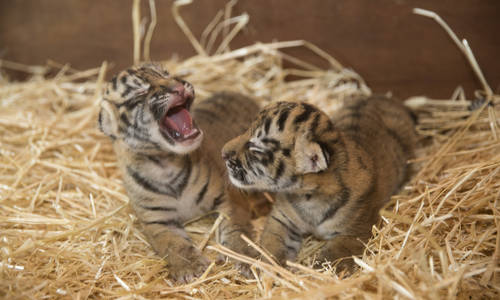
[
  {"x": 170, "y": 241},
  {"x": 342, "y": 246},
  {"x": 236, "y": 222},
  {"x": 281, "y": 237}
]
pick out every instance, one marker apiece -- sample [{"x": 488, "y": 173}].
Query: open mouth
[{"x": 177, "y": 122}]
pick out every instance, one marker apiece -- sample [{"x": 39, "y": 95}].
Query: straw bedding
[{"x": 66, "y": 230}]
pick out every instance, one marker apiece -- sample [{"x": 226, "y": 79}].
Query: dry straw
[{"x": 66, "y": 230}]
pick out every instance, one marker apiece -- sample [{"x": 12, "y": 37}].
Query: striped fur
[
  {"x": 170, "y": 182},
  {"x": 331, "y": 175}
]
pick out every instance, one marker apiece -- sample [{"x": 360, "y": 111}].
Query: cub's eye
[{"x": 254, "y": 149}]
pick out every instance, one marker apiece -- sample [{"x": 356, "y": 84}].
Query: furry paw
[
  {"x": 186, "y": 268},
  {"x": 341, "y": 248},
  {"x": 242, "y": 267}
]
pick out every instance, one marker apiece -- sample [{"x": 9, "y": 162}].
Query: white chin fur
[{"x": 238, "y": 184}]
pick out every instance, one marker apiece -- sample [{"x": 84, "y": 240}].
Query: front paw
[
  {"x": 185, "y": 267},
  {"x": 343, "y": 263},
  {"x": 340, "y": 250},
  {"x": 242, "y": 267}
]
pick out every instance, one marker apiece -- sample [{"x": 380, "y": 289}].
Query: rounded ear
[
  {"x": 310, "y": 156},
  {"x": 108, "y": 122}
]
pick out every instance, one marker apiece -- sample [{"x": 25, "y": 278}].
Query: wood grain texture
[{"x": 382, "y": 40}]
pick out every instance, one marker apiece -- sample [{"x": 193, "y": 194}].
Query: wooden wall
[{"x": 382, "y": 40}]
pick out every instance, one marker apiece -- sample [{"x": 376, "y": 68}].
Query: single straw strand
[
  {"x": 464, "y": 47},
  {"x": 136, "y": 19}
]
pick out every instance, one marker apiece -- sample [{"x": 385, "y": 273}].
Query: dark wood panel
[{"x": 382, "y": 40}]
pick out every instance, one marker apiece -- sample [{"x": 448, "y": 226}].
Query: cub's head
[
  {"x": 148, "y": 109},
  {"x": 287, "y": 141}
]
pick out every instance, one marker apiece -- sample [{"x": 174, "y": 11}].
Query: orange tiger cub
[
  {"x": 330, "y": 175},
  {"x": 169, "y": 155}
]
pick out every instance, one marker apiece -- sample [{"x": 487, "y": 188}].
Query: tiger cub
[
  {"x": 330, "y": 175},
  {"x": 169, "y": 155}
]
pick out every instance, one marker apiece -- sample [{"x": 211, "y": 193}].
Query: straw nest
[{"x": 66, "y": 230}]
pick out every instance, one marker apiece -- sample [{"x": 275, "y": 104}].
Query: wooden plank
[{"x": 382, "y": 40}]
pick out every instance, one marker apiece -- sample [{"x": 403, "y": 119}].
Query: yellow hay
[{"x": 66, "y": 230}]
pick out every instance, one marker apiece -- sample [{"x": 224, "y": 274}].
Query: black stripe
[
  {"x": 330, "y": 212},
  {"x": 286, "y": 152},
  {"x": 125, "y": 119},
  {"x": 127, "y": 91},
  {"x": 180, "y": 179},
  {"x": 289, "y": 222},
  {"x": 294, "y": 236},
  {"x": 288, "y": 229},
  {"x": 113, "y": 81},
  {"x": 260, "y": 172},
  {"x": 143, "y": 182},
  {"x": 251, "y": 159},
  {"x": 270, "y": 156},
  {"x": 308, "y": 109},
  {"x": 238, "y": 164},
  {"x": 159, "y": 208},
  {"x": 253, "y": 168},
  {"x": 202, "y": 192},
  {"x": 267, "y": 125},
  {"x": 293, "y": 231},
  {"x": 168, "y": 223},
  {"x": 217, "y": 201},
  {"x": 129, "y": 104},
  {"x": 278, "y": 236},
  {"x": 186, "y": 174},
  {"x": 264, "y": 162},
  {"x": 112, "y": 136},
  {"x": 326, "y": 150},
  {"x": 282, "y": 119},
  {"x": 136, "y": 82},
  {"x": 328, "y": 128},
  {"x": 279, "y": 171},
  {"x": 154, "y": 159},
  {"x": 315, "y": 123},
  {"x": 138, "y": 134},
  {"x": 157, "y": 108},
  {"x": 276, "y": 144},
  {"x": 398, "y": 140}
]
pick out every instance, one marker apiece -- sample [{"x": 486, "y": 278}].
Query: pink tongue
[{"x": 180, "y": 121}]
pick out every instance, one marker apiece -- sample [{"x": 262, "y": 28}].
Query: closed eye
[{"x": 254, "y": 148}]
